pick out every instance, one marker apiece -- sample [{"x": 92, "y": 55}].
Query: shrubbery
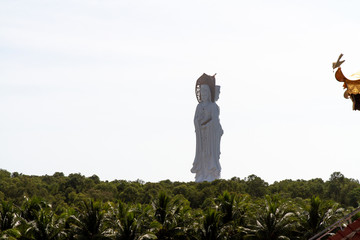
[{"x": 78, "y": 207}]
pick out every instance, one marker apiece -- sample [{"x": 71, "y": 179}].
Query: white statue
[
  {"x": 219, "y": 129},
  {"x": 208, "y": 131}
]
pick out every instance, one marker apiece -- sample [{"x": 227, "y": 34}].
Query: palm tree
[
  {"x": 169, "y": 214},
  {"x": 226, "y": 204},
  {"x": 233, "y": 214},
  {"x": 7, "y": 221},
  {"x": 46, "y": 226},
  {"x": 89, "y": 222},
  {"x": 161, "y": 207},
  {"x": 275, "y": 220},
  {"x": 31, "y": 206},
  {"x": 124, "y": 222},
  {"x": 38, "y": 221},
  {"x": 317, "y": 216},
  {"x": 210, "y": 229}
]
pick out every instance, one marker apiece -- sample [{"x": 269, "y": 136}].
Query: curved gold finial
[{"x": 338, "y": 62}]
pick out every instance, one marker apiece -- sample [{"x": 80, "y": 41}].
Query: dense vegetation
[{"x": 78, "y": 207}]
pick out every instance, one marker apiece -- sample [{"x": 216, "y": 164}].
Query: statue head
[
  {"x": 205, "y": 94},
  {"x": 217, "y": 92},
  {"x": 205, "y": 80}
]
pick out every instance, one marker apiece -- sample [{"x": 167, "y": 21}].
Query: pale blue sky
[{"x": 107, "y": 87}]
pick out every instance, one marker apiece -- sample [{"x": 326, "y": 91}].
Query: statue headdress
[{"x": 208, "y": 80}]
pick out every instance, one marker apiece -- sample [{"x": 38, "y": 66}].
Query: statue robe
[{"x": 208, "y": 133}]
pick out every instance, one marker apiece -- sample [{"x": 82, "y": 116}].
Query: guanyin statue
[{"x": 208, "y": 130}]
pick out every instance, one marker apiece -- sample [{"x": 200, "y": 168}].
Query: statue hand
[{"x": 206, "y": 122}]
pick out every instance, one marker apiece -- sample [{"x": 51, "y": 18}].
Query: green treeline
[{"x": 79, "y": 207}]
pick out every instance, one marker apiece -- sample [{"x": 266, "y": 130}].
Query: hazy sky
[{"x": 106, "y": 87}]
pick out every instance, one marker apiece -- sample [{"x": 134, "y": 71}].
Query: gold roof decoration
[
  {"x": 208, "y": 80},
  {"x": 351, "y": 84}
]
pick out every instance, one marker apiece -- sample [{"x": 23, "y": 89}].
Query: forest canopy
[
  {"x": 79, "y": 207},
  {"x": 59, "y": 189}
]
